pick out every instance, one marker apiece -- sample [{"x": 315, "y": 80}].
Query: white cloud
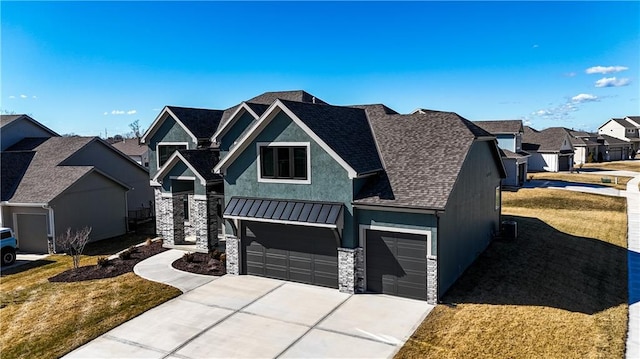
[
  {"x": 541, "y": 113},
  {"x": 583, "y": 97},
  {"x": 612, "y": 82},
  {"x": 34, "y": 97},
  {"x": 131, "y": 112},
  {"x": 23, "y": 96},
  {"x": 605, "y": 69},
  {"x": 570, "y": 74},
  {"x": 12, "y": 96},
  {"x": 117, "y": 112},
  {"x": 105, "y": 113},
  {"x": 536, "y": 46}
]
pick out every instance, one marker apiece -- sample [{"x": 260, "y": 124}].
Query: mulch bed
[
  {"x": 113, "y": 268},
  {"x": 200, "y": 263}
]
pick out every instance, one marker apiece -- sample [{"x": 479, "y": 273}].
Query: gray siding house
[
  {"x": 52, "y": 183},
  {"x": 551, "y": 149},
  {"x": 509, "y": 135},
  {"x": 358, "y": 198}
]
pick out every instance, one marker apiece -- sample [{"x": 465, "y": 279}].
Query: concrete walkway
[
  {"x": 633, "y": 212},
  {"x": 158, "y": 269},
  {"x": 576, "y": 187}
]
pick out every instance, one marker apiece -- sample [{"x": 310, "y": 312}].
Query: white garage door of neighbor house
[{"x": 31, "y": 231}]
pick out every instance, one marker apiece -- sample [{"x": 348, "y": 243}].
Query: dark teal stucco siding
[
  {"x": 180, "y": 169},
  {"x": 420, "y": 221},
  {"x": 235, "y": 131},
  {"x": 470, "y": 217},
  {"x": 169, "y": 131},
  {"x": 329, "y": 180}
]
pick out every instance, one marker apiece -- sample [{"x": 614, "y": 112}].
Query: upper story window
[
  {"x": 165, "y": 150},
  {"x": 284, "y": 162}
]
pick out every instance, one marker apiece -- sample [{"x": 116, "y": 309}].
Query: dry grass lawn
[
  {"x": 582, "y": 178},
  {"x": 558, "y": 291},
  {"x": 631, "y": 165},
  {"x": 39, "y": 319}
]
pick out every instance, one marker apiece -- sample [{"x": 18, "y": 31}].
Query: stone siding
[
  {"x": 432, "y": 281},
  {"x": 164, "y": 216},
  {"x": 351, "y": 270},
  {"x": 233, "y": 254},
  {"x": 198, "y": 221},
  {"x": 178, "y": 219}
]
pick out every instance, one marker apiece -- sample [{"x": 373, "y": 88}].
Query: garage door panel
[
  {"x": 396, "y": 263},
  {"x": 296, "y": 253}
]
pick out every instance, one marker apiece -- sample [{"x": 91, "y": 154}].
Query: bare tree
[
  {"x": 135, "y": 127},
  {"x": 73, "y": 242}
]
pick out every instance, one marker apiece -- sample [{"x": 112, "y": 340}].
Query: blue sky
[{"x": 83, "y": 67}]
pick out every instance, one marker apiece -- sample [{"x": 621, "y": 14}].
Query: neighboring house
[
  {"x": 615, "y": 149},
  {"x": 358, "y": 198},
  {"x": 52, "y": 183},
  {"x": 17, "y": 127},
  {"x": 551, "y": 149},
  {"x": 626, "y": 129},
  {"x": 509, "y": 134},
  {"x": 585, "y": 145},
  {"x": 132, "y": 148}
]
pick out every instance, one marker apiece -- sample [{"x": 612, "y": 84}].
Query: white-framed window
[
  {"x": 164, "y": 150},
  {"x": 284, "y": 162}
]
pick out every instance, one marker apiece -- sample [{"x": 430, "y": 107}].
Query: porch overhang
[{"x": 295, "y": 212}]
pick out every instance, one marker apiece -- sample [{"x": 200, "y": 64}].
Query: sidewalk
[
  {"x": 576, "y": 187},
  {"x": 158, "y": 269},
  {"x": 633, "y": 213}
]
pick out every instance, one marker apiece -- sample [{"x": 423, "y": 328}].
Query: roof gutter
[
  {"x": 15, "y": 204},
  {"x": 377, "y": 207}
]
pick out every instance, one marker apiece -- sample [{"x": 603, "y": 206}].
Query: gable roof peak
[{"x": 267, "y": 98}]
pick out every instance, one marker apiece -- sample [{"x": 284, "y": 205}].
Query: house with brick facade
[{"x": 357, "y": 198}]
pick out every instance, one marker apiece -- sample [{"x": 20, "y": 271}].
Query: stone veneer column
[
  {"x": 351, "y": 270},
  {"x": 233, "y": 254},
  {"x": 432, "y": 281},
  {"x": 178, "y": 219},
  {"x": 199, "y": 224},
  {"x": 164, "y": 216}
]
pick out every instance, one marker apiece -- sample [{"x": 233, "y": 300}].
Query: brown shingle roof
[
  {"x": 501, "y": 127},
  {"x": 267, "y": 98},
  {"x": 131, "y": 147},
  {"x": 423, "y": 154},
  {"x": 547, "y": 140}
]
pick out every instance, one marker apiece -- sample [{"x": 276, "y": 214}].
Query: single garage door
[
  {"x": 615, "y": 154},
  {"x": 563, "y": 163},
  {"x": 31, "y": 230},
  {"x": 396, "y": 264},
  {"x": 290, "y": 252}
]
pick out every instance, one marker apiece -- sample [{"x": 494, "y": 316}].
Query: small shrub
[
  {"x": 223, "y": 259},
  {"x": 215, "y": 254},
  {"x": 124, "y": 255},
  {"x": 189, "y": 257},
  {"x": 102, "y": 262},
  {"x": 148, "y": 242}
]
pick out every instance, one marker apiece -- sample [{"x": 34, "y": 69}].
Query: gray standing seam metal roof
[
  {"x": 501, "y": 126},
  {"x": 423, "y": 154},
  {"x": 201, "y": 122},
  {"x": 44, "y": 179},
  {"x": 344, "y": 129},
  {"x": 203, "y": 160},
  {"x": 284, "y": 210}
]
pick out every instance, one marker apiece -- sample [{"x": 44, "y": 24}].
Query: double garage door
[
  {"x": 396, "y": 264},
  {"x": 295, "y": 253}
]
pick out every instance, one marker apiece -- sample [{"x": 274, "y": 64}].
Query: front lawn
[
  {"x": 630, "y": 165},
  {"x": 558, "y": 291},
  {"x": 40, "y": 319}
]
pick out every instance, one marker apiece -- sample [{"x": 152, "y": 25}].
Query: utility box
[{"x": 510, "y": 229}]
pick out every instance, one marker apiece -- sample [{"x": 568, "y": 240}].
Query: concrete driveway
[{"x": 254, "y": 317}]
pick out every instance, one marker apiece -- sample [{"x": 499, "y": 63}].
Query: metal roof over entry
[{"x": 316, "y": 214}]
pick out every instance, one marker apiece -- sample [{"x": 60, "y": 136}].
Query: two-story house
[
  {"x": 358, "y": 198},
  {"x": 626, "y": 129},
  {"x": 509, "y": 135},
  {"x": 51, "y": 183}
]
